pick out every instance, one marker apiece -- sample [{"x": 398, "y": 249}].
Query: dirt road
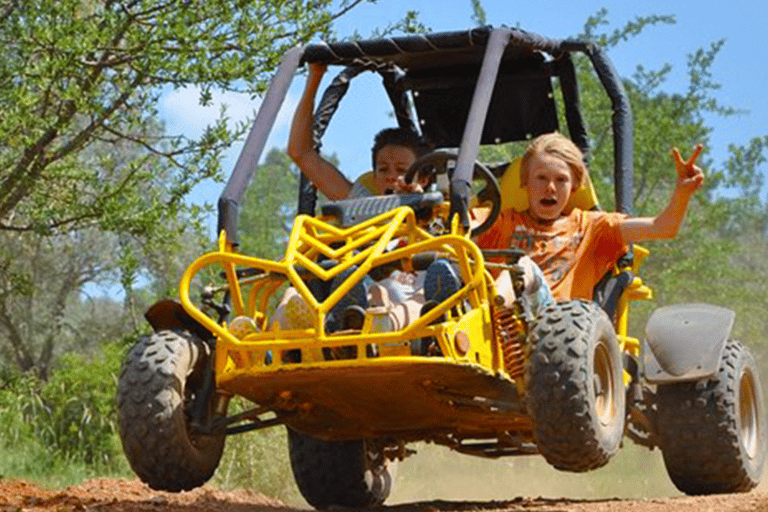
[{"x": 111, "y": 495}]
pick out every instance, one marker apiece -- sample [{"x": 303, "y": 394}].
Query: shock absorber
[
  {"x": 511, "y": 327},
  {"x": 510, "y": 331}
]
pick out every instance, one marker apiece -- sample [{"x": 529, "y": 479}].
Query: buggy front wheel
[
  {"x": 160, "y": 379},
  {"x": 575, "y": 386}
]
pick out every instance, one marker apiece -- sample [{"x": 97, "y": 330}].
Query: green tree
[
  {"x": 268, "y": 208},
  {"x": 78, "y": 71},
  {"x": 44, "y": 276},
  {"x": 713, "y": 259},
  {"x": 41, "y": 313},
  {"x": 92, "y": 188}
]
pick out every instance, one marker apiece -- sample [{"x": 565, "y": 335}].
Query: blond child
[{"x": 574, "y": 250}]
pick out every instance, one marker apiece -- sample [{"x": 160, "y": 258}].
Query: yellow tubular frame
[
  {"x": 364, "y": 246},
  {"x": 635, "y": 291}
]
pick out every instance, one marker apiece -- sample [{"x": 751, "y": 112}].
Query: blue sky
[{"x": 739, "y": 68}]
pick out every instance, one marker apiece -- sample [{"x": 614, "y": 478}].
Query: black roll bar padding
[
  {"x": 307, "y": 196},
  {"x": 329, "y": 102},
  {"x": 393, "y": 79},
  {"x": 623, "y": 142},
  {"x": 567, "y": 74},
  {"x": 348, "y": 52}
]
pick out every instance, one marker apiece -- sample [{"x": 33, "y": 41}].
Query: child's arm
[
  {"x": 301, "y": 148},
  {"x": 666, "y": 224}
]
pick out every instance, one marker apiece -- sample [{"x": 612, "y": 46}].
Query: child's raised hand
[{"x": 689, "y": 175}]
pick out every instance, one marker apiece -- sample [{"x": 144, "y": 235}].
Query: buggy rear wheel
[
  {"x": 713, "y": 430},
  {"x": 575, "y": 386},
  {"x": 160, "y": 379},
  {"x": 352, "y": 474}
]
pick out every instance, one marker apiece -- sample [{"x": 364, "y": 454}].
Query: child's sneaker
[
  {"x": 357, "y": 296},
  {"x": 297, "y": 314},
  {"x": 442, "y": 281},
  {"x": 241, "y": 326}
]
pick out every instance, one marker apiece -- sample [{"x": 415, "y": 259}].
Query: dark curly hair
[{"x": 398, "y": 137}]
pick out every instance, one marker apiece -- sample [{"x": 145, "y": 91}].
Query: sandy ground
[{"x": 119, "y": 495}]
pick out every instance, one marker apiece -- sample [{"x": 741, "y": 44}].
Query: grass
[
  {"x": 33, "y": 462},
  {"x": 259, "y": 461},
  {"x": 436, "y": 472}
]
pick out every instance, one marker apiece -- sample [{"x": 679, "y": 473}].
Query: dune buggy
[{"x": 471, "y": 374}]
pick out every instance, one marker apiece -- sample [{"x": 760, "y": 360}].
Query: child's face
[
  {"x": 550, "y": 184},
  {"x": 392, "y": 162}
]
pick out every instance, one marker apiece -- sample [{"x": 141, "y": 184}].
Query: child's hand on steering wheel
[{"x": 416, "y": 186}]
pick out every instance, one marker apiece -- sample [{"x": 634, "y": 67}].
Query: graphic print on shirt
[{"x": 552, "y": 252}]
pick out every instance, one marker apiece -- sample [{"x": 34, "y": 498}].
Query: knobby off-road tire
[
  {"x": 713, "y": 431},
  {"x": 159, "y": 379},
  {"x": 575, "y": 386},
  {"x": 340, "y": 473}
]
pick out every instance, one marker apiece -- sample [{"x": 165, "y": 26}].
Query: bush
[
  {"x": 257, "y": 461},
  {"x": 72, "y": 416}
]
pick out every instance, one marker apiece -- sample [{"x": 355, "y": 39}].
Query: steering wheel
[{"x": 436, "y": 162}]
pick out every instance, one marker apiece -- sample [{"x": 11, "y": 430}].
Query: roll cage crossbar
[{"x": 480, "y": 86}]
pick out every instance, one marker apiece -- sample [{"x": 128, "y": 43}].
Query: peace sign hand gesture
[{"x": 689, "y": 175}]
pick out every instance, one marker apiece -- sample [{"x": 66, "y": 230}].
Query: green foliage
[
  {"x": 78, "y": 72},
  {"x": 92, "y": 189},
  {"x": 72, "y": 417},
  {"x": 33, "y": 461},
  {"x": 478, "y": 14},
  {"x": 268, "y": 207},
  {"x": 43, "y": 310},
  {"x": 409, "y": 24},
  {"x": 258, "y": 461}
]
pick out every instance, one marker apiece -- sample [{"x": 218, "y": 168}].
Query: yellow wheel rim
[
  {"x": 603, "y": 384},
  {"x": 748, "y": 411}
]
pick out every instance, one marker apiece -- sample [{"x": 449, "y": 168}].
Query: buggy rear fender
[
  {"x": 170, "y": 314},
  {"x": 684, "y": 342}
]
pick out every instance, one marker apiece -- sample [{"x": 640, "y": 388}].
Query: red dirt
[{"x": 117, "y": 495}]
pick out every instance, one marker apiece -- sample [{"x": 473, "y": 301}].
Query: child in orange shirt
[{"x": 570, "y": 251}]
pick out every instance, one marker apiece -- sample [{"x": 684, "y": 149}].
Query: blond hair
[{"x": 559, "y": 146}]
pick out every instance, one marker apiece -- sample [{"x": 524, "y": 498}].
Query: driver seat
[{"x": 366, "y": 180}]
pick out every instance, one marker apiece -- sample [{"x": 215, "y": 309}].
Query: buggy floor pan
[{"x": 408, "y": 398}]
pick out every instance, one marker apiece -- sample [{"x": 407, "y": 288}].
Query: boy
[
  {"x": 394, "y": 151},
  {"x": 574, "y": 250}
]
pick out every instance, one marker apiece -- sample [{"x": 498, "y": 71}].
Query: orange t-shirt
[{"x": 573, "y": 256}]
